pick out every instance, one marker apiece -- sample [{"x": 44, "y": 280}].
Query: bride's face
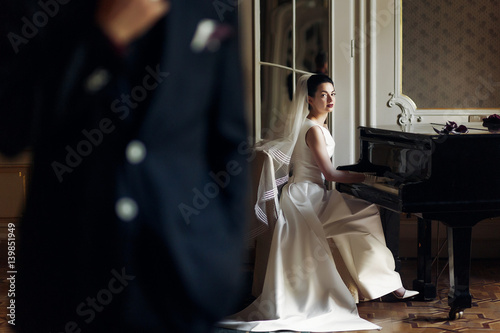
[{"x": 324, "y": 99}]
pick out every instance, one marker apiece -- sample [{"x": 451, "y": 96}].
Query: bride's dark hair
[{"x": 314, "y": 81}]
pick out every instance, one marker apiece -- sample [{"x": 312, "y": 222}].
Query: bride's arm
[{"x": 315, "y": 139}]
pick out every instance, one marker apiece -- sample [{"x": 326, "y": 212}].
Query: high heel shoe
[
  {"x": 407, "y": 294},
  {"x": 393, "y": 297}
]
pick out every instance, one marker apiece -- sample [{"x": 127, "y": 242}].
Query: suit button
[
  {"x": 97, "y": 80},
  {"x": 135, "y": 152},
  {"x": 126, "y": 209}
]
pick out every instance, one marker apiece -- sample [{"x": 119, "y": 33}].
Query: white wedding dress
[{"x": 303, "y": 290}]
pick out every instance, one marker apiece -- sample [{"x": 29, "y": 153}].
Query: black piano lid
[
  {"x": 475, "y": 128},
  {"x": 454, "y": 171}
]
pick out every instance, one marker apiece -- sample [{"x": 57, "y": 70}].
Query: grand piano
[{"x": 452, "y": 178}]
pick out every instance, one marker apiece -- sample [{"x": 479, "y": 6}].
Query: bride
[{"x": 303, "y": 290}]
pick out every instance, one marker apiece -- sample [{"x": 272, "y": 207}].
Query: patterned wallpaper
[{"x": 451, "y": 53}]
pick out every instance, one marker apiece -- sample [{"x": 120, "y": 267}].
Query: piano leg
[
  {"x": 390, "y": 224},
  {"x": 459, "y": 246},
  {"x": 423, "y": 283}
]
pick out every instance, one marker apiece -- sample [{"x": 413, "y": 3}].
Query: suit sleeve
[
  {"x": 230, "y": 149},
  {"x": 41, "y": 67},
  {"x": 18, "y": 78}
]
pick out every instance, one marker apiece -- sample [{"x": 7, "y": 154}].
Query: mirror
[
  {"x": 447, "y": 58},
  {"x": 287, "y": 51},
  {"x": 312, "y": 36},
  {"x": 276, "y": 20},
  {"x": 276, "y": 87}
]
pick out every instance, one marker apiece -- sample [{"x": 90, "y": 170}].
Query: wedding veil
[{"x": 278, "y": 154}]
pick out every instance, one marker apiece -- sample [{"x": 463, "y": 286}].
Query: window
[{"x": 292, "y": 39}]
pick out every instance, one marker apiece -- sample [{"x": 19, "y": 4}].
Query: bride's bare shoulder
[{"x": 314, "y": 134}]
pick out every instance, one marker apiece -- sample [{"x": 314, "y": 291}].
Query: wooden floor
[
  {"x": 432, "y": 316},
  {"x": 414, "y": 316}
]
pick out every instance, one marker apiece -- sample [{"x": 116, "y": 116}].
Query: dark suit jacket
[{"x": 135, "y": 214}]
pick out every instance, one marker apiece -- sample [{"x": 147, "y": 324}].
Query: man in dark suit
[{"x": 133, "y": 110}]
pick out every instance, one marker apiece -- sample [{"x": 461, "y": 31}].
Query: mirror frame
[{"x": 409, "y": 111}]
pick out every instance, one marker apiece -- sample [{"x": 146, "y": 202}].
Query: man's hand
[{"x": 125, "y": 20}]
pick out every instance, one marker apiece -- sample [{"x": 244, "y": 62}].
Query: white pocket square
[{"x": 209, "y": 35}]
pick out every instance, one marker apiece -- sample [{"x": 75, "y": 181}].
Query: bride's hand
[
  {"x": 371, "y": 178},
  {"x": 125, "y": 20}
]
